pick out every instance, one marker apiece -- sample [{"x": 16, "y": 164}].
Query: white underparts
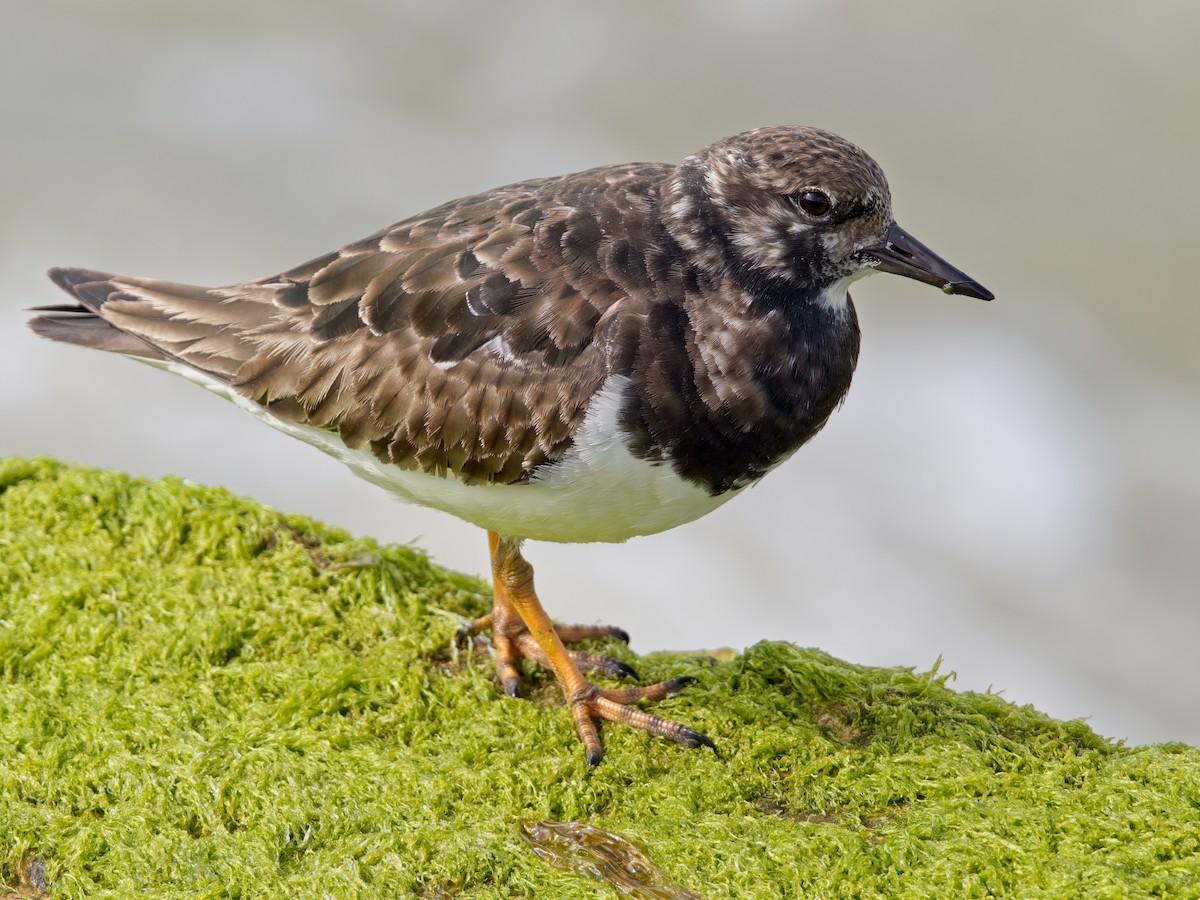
[{"x": 598, "y": 492}]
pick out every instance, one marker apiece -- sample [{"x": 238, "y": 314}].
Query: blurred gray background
[{"x": 1012, "y": 485}]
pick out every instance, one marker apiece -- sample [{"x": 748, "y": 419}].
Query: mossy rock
[{"x": 202, "y": 697}]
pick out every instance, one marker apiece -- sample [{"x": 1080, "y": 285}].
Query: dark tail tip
[
  {"x": 92, "y": 288},
  {"x": 67, "y": 277}
]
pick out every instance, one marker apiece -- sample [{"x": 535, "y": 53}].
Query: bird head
[{"x": 801, "y": 205}]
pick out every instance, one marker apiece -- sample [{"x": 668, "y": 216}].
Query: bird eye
[{"x": 815, "y": 203}]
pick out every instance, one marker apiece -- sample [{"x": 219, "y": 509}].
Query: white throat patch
[{"x": 834, "y": 297}]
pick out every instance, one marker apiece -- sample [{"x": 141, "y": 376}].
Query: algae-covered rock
[{"x": 203, "y": 697}]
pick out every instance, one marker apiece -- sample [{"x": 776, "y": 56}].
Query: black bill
[{"x": 902, "y": 254}]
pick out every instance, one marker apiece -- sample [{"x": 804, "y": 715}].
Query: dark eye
[{"x": 815, "y": 203}]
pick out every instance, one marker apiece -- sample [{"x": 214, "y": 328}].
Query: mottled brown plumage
[
  {"x": 588, "y": 357},
  {"x": 463, "y": 340},
  {"x": 469, "y": 339}
]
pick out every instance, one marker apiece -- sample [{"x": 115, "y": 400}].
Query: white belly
[{"x": 598, "y": 492}]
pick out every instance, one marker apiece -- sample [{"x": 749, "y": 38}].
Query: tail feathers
[
  {"x": 80, "y": 323},
  {"x": 76, "y": 325},
  {"x": 90, "y": 287},
  {"x": 152, "y": 319}
]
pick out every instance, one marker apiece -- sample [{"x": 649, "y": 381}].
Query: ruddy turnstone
[{"x": 589, "y": 357}]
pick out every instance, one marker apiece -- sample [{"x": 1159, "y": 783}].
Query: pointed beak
[{"x": 902, "y": 254}]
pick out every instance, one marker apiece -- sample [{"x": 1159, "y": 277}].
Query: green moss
[{"x": 203, "y": 697}]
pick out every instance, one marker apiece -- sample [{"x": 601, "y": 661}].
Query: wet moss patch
[{"x": 201, "y": 696}]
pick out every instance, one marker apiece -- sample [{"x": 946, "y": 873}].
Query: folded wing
[{"x": 467, "y": 340}]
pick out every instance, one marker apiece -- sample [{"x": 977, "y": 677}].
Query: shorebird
[{"x": 587, "y": 357}]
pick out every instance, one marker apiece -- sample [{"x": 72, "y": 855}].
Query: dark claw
[
  {"x": 594, "y": 755},
  {"x": 623, "y": 670},
  {"x": 620, "y": 634},
  {"x": 511, "y": 686},
  {"x": 696, "y": 739},
  {"x": 679, "y": 682}
]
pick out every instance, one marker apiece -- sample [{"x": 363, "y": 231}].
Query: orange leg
[{"x": 520, "y": 627}]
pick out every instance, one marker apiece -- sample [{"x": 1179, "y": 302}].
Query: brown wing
[{"x": 468, "y": 339}]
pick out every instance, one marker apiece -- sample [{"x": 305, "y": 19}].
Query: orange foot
[{"x": 521, "y": 628}]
